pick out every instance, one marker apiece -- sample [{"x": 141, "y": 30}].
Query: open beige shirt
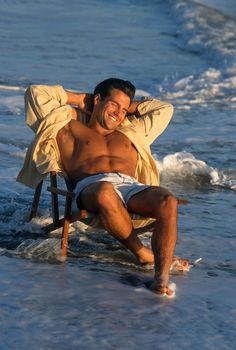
[{"x": 47, "y": 112}]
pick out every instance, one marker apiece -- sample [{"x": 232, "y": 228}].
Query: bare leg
[
  {"x": 101, "y": 198},
  {"x": 159, "y": 203}
]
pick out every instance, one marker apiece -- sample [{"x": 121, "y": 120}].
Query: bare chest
[
  {"x": 118, "y": 142},
  {"x": 115, "y": 144},
  {"x": 90, "y": 153}
]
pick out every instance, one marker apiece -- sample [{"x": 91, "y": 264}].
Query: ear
[{"x": 97, "y": 99}]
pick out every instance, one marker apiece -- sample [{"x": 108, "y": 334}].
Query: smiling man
[
  {"x": 103, "y": 142},
  {"x": 98, "y": 147}
]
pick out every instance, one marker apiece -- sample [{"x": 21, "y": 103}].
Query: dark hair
[{"x": 104, "y": 88}]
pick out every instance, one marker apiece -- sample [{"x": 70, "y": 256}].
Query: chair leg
[
  {"x": 64, "y": 240},
  {"x": 35, "y": 204},
  {"x": 54, "y": 196},
  {"x": 66, "y": 224}
]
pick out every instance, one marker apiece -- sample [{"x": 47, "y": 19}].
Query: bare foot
[
  {"x": 179, "y": 264},
  {"x": 163, "y": 290},
  {"x": 145, "y": 256}
]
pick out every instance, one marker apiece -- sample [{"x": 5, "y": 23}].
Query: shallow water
[{"x": 180, "y": 51}]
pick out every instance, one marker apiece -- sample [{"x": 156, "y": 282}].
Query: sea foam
[
  {"x": 210, "y": 34},
  {"x": 12, "y": 150},
  {"x": 184, "y": 166}
]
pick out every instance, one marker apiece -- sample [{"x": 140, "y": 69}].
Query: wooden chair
[{"x": 70, "y": 217}]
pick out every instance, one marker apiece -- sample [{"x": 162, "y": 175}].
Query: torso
[{"x": 85, "y": 152}]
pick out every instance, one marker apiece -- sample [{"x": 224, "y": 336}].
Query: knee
[
  {"x": 106, "y": 195},
  {"x": 169, "y": 204}
]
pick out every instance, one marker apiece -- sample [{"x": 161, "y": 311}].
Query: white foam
[
  {"x": 40, "y": 249},
  {"x": 14, "y": 104},
  {"x": 225, "y": 179},
  {"x": 12, "y": 151},
  {"x": 11, "y": 88},
  {"x": 205, "y": 29},
  {"x": 208, "y": 32},
  {"x": 142, "y": 93},
  {"x": 211, "y": 86},
  {"x": 184, "y": 165}
]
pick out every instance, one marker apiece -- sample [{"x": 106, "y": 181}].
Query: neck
[{"x": 95, "y": 126}]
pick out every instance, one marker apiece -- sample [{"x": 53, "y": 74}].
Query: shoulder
[
  {"x": 64, "y": 131},
  {"x": 75, "y": 129}
]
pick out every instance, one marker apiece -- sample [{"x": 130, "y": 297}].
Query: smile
[{"x": 113, "y": 118}]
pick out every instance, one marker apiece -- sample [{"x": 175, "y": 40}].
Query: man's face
[{"x": 112, "y": 110}]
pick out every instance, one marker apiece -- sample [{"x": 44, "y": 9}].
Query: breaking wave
[{"x": 183, "y": 166}]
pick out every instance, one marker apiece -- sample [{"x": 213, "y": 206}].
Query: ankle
[
  {"x": 161, "y": 280},
  {"x": 144, "y": 255}
]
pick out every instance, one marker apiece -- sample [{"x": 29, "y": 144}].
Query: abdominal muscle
[{"x": 101, "y": 164}]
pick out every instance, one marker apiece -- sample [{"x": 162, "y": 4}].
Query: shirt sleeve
[
  {"x": 42, "y": 100},
  {"x": 154, "y": 117}
]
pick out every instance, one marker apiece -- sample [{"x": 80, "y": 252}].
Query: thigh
[
  {"x": 90, "y": 196},
  {"x": 147, "y": 202}
]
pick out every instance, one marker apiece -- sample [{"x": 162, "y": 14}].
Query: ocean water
[{"x": 177, "y": 50}]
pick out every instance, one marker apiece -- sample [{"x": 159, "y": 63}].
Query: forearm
[
  {"x": 83, "y": 101},
  {"x": 74, "y": 98},
  {"x": 133, "y": 108}
]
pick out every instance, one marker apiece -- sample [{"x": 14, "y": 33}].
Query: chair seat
[{"x": 92, "y": 220}]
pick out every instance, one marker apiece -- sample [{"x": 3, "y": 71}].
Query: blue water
[{"x": 181, "y": 51}]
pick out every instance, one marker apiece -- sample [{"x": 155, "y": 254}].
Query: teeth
[{"x": 113, "y": 119}]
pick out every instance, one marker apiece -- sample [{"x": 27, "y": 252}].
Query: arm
[
  {"x": 133, "y": 108},
  {"x": 152, "y": 117},
  {"x": 41, "y": 101},
  {"x": 82, "y": 101}
]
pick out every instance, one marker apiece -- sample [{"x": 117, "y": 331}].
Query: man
[{"x": 105, "y": 154}]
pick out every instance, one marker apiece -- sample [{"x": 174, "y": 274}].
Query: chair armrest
[{"x": 64, "y": 193}]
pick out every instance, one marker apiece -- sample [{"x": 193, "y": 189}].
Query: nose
[{"x": 118, "y": 111}]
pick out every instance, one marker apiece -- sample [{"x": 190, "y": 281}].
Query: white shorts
[{"x": 124, "y": 185}]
